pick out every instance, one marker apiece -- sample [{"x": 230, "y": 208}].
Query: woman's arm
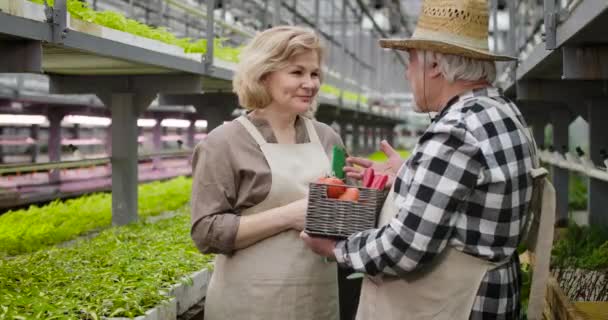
[
  {"x": 262, "y": 225},
  {"x": 216, "y": 225}
]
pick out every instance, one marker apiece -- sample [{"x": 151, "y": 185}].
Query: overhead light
[
  {"x": 22, "y": 119},
  {"x": 201, "y": 124},
  {"x": 176, "y": 123},
  {"x": 146, "y": 123},
  {"x": 87, "y": 120}
]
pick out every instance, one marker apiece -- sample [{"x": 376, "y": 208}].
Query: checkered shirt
[{"x": 466, "y": 185}]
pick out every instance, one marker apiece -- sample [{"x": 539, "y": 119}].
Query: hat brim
[{"x": 442, "y": 47}]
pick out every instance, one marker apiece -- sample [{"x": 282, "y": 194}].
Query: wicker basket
[{"x": 329, "y": 217}]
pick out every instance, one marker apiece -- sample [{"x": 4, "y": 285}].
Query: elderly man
[{"x": 446, "y": 243}]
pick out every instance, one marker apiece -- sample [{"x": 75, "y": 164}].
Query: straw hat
[{"x": 458, "y": 27}]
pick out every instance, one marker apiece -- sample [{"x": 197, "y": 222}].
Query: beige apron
[
  {"x": 447, "y": 288},
  {"x": 279, "y": 277}
]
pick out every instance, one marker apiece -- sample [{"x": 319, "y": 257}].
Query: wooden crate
[
  {"x": 559, "y": 307},
  {"x": 593, "y": 310}
]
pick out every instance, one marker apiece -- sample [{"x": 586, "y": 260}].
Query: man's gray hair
[{"x": 460, "y": 68}]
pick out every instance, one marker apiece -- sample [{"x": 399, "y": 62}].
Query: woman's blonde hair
[{"x": 267, "y": 52}]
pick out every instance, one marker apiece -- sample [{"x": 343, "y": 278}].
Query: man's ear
[{"x": 434, "y": 70}]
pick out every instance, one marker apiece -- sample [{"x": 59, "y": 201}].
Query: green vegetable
[
  {"x": 582, "y": 247},
  {"x": 577, "y": 198},
  {"x": 122, "y": 272},
  {"x": 32, "y": 229},
  {"x": 338, "y": 161}
]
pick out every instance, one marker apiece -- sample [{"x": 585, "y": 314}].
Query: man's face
[{"x": 414, "y": 75}]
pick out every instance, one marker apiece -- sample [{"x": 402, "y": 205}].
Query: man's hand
[
  {"x": 321, "y": 246},
  {"x": 389, "y": 167}
]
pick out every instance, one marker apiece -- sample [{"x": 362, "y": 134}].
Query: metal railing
[
  {"x": 20, "y": 168},
  {"x": 530, "y": 23}
]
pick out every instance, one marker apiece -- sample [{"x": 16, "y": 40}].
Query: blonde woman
[{"x": 250, "y": 184}]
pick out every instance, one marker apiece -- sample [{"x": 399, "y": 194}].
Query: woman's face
[{"x": 294, "y": 87}]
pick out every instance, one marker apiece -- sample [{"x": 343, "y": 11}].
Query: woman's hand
[
  {"x": 389, "y": 167},
  {"x": 256, "y": 227},
  {"x": 321, "y": 246},
  {"x": 297, "y": 213}
]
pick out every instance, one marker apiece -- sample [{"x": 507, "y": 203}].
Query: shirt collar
[{"x": 480, "y": 92}]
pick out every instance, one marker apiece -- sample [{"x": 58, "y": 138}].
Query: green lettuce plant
[
  {"x": 582, "y": 247},
  {"x": 118, "y": 21},
  {"x": 122, "y": 272},
  {"x": 37, "y": 227}
]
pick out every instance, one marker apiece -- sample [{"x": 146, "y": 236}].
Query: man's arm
[{"x": 430, "y": 190}]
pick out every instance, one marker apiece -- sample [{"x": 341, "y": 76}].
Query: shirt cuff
[{"x": 341, "y": 253}]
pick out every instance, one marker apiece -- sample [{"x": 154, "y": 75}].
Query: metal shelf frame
[
  {"x": 560, "y": 76},
  {"x": 142, "y": 75}
]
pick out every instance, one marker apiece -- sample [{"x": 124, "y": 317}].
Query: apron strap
[
  {"x": 253, "y": 131},
  {"x": 312, "y": 133}
]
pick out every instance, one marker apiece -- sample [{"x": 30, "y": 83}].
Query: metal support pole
[
  {"x": 374, "y": 136},
  {"x": 538, "y": 130},
  {"x": 124, "y": 158},
  {"x": 359, "y": 52},
  {"x": 512, "y": 28},
  {"x": 187, "y": 25},
  {"x": 332, "y": 19},
  {"x": 126, "y": 97},
  {"x": 598, "y": 189},
  {"x": 190, "y": 134},
  {"x": 390, "y": 134},
  {"x": 344, "y": 62},
  {"x": 317, "y": 21},
  {"x": 210, "y": 36},
  {"x": 343, "y": 131},
  {"x": 162, "y": 6},
  {"x": 35, "y": 148},
  {"x": 131, "y": 9},
  {"x": 561, "y": 177},
  {"x": 54, "y": 143},
  {"x": 276, "y": 17},
  {"x": 495, "y": 21},
  {"x": 76, "y": 131},
  {"x": 157, "y": 142},
  {"x": 59, "y": 20},
  {"x": 372, "y": 61},
  {"x": 265, "y": 15},
  {"x": 294, "y": 5},
  {"x": 108, "y": 147},
  {"x": 366, "y": 143},
  {"x": 550, "y": 24},
  {"x": 225, "y": 5},
  {"x": 356, "y": 148},
  {"x": 1, "y": 147},
  {"x": 213, "y": 121}
]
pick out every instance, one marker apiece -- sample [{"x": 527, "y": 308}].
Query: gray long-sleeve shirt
[{"x": 230, "y": 174}]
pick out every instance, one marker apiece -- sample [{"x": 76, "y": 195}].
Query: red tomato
[
  {"x": 351, "y": 194},
  {"x": 335, "y": 186}
]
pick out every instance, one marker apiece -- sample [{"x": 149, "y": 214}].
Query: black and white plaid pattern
[{"x": 466, "y": 185}]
